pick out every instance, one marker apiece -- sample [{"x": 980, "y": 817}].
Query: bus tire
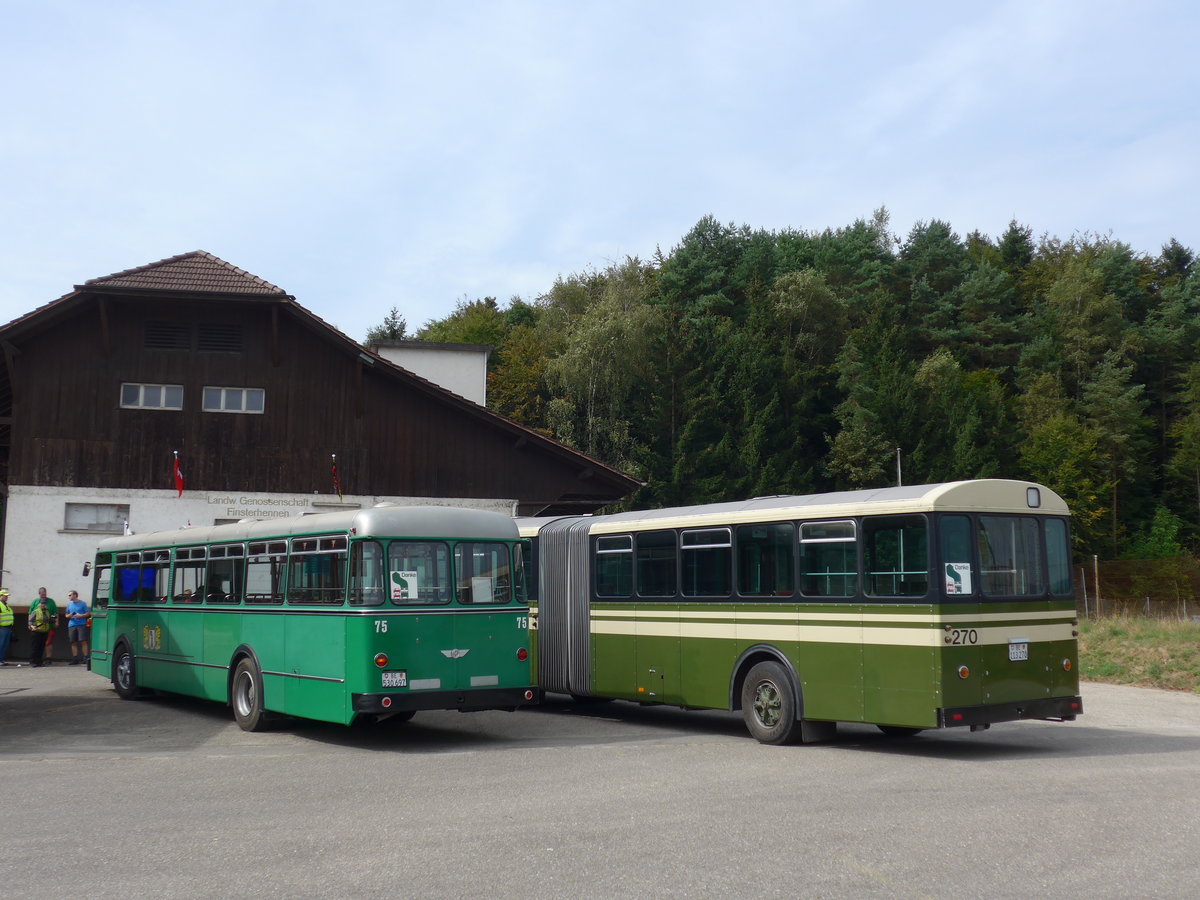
[
  {"x": 246, "y": 696},
  {"x": 899, "y": 731},
  {"x": 769, "y": 704},
  {"x": 124, "y": 673}
]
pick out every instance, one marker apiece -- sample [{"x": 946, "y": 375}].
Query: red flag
[
  {"x": 178, "y": 477},
  {"x": 337, "y": 485}
]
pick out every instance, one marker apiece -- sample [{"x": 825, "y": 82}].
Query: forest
[{"x": 750, "y": 362}]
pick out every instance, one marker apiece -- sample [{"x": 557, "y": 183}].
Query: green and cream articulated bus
[
  {"x": 932, "y": 606},
  {"x": 372, "y": 613}
]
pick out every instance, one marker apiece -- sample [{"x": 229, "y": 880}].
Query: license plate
[
  {"x": 395, "y": 679},
  {"x": 1018, "y": 651}
]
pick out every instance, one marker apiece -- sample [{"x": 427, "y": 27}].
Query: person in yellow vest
[
  {"x": 6, "y": 626},
  {"x": 43, "y": 618}
]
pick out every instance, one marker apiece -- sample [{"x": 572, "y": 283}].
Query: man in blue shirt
[{"x": 77, "y": 627}]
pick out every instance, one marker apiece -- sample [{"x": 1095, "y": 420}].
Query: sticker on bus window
[
  {"x": 958, "y": 578},
  {"x": 404, "y": 586}
]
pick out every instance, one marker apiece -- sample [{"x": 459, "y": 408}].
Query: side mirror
[{"x": 87, "y": 568}]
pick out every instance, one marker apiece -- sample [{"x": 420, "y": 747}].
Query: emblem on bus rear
[{"x": 455, "y": 654}]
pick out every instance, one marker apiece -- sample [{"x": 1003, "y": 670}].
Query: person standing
[
  {"x": 43, "y": 616},
  {"x": 6, "y": 626},
  {"x": 53, "y": 608},
  {"x": 77, "y": 630}
]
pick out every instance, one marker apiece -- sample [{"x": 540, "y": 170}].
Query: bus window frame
[
  {"x": 789, "y": 544},
  {"x": 869, "y": 527},
  {"x": 334, "y": 547},
  {"x": 684, "y": 549},
  {"x": 854, "y": 539},
  {"x": 612, "y": 552}
]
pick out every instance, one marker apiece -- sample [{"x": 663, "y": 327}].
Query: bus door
[{"x": 98, "y": 625}]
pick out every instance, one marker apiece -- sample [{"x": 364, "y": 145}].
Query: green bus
[
  {"x": 364, "y": 614},
  {"x": 909, "y": 608}
]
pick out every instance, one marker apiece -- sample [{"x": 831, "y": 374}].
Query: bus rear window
[
  {"x": 484, "y": 572},
  {"x": 418, "y": 573},
  {"x": 1010, "y": 556}
]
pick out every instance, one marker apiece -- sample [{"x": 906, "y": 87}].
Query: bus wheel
[
  {"x": 769, "y": 704},
  {"x": 899, "y": 731},
  {"x": 246, "y": 696},
  {"x": 124, "y": 673}
]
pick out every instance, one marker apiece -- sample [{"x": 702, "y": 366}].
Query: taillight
[
  {"x": 381, "y": 659},
  {"x": 1066, "y": 664},
  {"x": 522, "y": 654},
  {"x": 964, "y": 672}
]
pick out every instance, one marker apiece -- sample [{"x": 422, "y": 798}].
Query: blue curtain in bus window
[{"x": 127, "y": 583}]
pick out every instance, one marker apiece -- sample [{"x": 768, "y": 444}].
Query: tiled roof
[{"x": 195, "y": 272}]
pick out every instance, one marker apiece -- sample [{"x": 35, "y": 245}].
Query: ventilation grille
[
  {"x": 168, "y": 336},
  {"x": 212, "y": 338}
]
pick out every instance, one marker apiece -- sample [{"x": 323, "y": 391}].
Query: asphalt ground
[{"x": 166, "y": 797}]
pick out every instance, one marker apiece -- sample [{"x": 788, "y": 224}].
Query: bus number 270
[{"x": 964, "y": 636}]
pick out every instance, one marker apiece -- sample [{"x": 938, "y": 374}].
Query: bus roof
[
  {"x": 990, "y": 494},
  {"x": 379, "y": 521}
]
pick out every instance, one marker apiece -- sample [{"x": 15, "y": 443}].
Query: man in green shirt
[{"x": 43, "y": 620}]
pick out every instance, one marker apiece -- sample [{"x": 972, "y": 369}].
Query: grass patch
[{"x": 1145, "y": 652}]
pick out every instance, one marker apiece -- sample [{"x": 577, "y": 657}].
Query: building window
[
  {"x": 104, "y": 517},
  {"x": 151, "y": 396},
  {"x": 235, "y": 400}
]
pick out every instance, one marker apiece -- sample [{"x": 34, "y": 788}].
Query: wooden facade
[{"x": 198, "y": 322}]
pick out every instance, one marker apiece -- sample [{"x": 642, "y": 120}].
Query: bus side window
[
  {"x": 265, "y": 565},
  {"x": 366, "y": 573},
  {"x": 766, "y": 560},
  {"x": 656, "y": 569},
  {"x": 613, "y": 565},
  {"x": 1058, "y": 556},
  {"x": 896, "y": 556},
  {"x": 829, "y": 559}
]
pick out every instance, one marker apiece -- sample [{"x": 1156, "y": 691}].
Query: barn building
[{"x": 268, "y": 410}]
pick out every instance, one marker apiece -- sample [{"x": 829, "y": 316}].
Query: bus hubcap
[{"x": 766, "y": 704}]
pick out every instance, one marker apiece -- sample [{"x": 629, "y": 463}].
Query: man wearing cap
[{"x": 6, "y": 625}]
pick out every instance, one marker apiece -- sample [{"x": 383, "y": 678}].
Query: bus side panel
[
  {"x": 900, "y": 677},
  {"x": 707, "y": 653},
  {"x": 656, "y": 649},
  {"x": 150, "y": 636},
  {"x": 185, "y": 646},
  {"x": 315, "y": 652},
  {"x": 261, "y": 632},
  {"x": 222, "y": 633},
  {"x": 614, "y": 652},
  {"x": 829, "y": 661}
]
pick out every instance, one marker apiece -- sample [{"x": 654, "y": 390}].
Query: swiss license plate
[
  {"x": 1018, "y": 651},
  {"x": 397, "y": 679}
]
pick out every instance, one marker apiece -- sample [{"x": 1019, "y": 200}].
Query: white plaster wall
[
  {"x": 461, "y": 371},
  {"x": 38, "y": 552}
]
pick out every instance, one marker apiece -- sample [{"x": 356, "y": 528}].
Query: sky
[{"x": 364, "y": 155}]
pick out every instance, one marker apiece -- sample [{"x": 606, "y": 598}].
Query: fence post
[{"x": 1096, "y": 580}]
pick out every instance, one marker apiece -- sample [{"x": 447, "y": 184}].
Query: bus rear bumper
[
  {"x": 464, "y": 701},
  {"x": 1054, "y": 709}
]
